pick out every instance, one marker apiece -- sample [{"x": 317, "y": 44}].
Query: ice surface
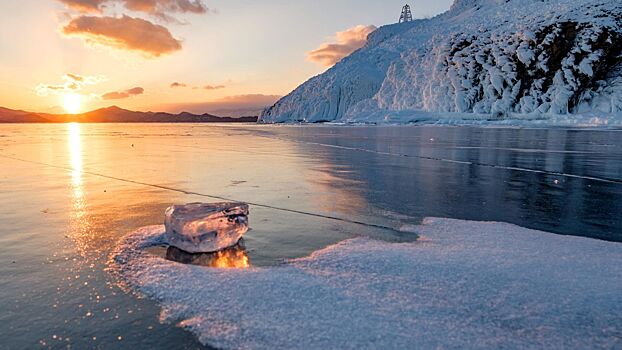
[
  {"x": 462, "y": 285},
  {"x": 483, "y": 59},
  {"x": 206, "y": 227}
]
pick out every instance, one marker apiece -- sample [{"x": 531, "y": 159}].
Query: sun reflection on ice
[
  {"x": 231, "y": 258},
  {"x": 75, "y": 153},
  {"x": 80, "y": 225}
]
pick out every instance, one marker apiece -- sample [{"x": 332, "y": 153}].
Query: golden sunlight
[
  {"x": 72, "y": 103},
  {"x": 75, "y": 152},
  {"x": 230, "y": 258}
]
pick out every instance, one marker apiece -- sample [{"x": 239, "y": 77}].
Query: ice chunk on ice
[{"x": 206, "y": 227}]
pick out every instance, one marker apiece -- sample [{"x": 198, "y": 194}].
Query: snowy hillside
[{"x": 483, "y": 59}]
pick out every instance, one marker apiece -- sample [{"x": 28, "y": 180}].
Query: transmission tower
[{"x": 406, "y": 15}]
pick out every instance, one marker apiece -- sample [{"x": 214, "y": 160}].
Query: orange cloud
[
  {"x": 230, "y": 106},
  {"x": 154, "y": 7},
  {"x": 118, "y": 95},
  {"x": 209, "y": 87},
  {"x": 213, "y": 87},
  {"x": 127, "y": 33},
  {"x": 250, "y": 99},
  {"x": 348, "y": 41},
  {"x": 73, "y": 83},
  {"x": 176, "y": 85},
  {"x": 166, "y": 6},
  {"x": 93, "y": 6}
]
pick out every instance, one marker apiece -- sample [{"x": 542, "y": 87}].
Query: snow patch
[{"x": 463, "y": 285}]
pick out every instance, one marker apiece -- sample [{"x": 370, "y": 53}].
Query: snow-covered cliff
[{"x": 482, "y": 58}]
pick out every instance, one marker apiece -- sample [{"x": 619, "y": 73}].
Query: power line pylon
[{"x": 406, "y": 15}]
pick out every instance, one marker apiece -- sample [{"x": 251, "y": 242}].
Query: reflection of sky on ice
[{"x": 559, "y": 180}]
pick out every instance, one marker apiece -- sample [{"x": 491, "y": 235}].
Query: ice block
[{"x": 206, "y": 227}]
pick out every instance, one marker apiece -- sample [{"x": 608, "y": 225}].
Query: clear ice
[{"x": 206, "y": 227}]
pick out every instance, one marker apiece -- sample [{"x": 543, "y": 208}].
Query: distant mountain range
[{"x": 115, "y": 114}]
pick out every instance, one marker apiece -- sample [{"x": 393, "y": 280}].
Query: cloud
[
  {"x": 230, "y": 106},
  {"x": 127, "y": 33},
  {"x": 160, "y": 8},
  {"x": 92, "y": 6},
  {"x": 206, "y": 87},
  {"x": 118, "y": 95},
  {"x": 249, "y": 99},
  {"x": 164, "y": 7},
  {"x": 348, "y": 41},
  {"x": 73, "y": 83}
]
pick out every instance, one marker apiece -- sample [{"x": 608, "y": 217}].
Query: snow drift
[
  {"x": 490, "y": 59},
  {"x": 461, "y": 285}
]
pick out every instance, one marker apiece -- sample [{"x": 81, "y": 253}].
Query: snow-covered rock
[{"x": 483, "y": 58}]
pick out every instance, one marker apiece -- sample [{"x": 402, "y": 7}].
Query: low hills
[{"x": 115, "y": 114}]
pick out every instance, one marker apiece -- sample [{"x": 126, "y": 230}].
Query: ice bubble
[{"x": 206, "y": 227}]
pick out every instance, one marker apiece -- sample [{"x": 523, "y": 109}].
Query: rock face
[
  {"x": 495, "y": 58},
  {"x": 203, "y": 228}
]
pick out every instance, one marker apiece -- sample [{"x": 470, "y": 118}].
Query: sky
[{"x": 60, "y": 56}]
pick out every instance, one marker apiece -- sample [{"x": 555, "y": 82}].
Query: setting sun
[{"x": 72, "y": 103}]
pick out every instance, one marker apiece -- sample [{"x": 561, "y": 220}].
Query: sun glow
[
  {"x": 230, "y": 258},
  {"x": 72, "y": 103},
  {"x": 75, "y": 152}
]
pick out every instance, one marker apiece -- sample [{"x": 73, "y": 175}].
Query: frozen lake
[{"x": 69, "y": 192}]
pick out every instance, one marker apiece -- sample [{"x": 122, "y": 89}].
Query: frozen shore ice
[
  {"x": 463, "y": 284},
  {"x": 206, "y": 227}
]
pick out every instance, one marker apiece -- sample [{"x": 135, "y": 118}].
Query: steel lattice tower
[{"x": 406, "y": 16}]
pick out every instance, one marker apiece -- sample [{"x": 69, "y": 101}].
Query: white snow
[
  {"x": 533, "y": 58},
  {"x": 461, "y": 285}
]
